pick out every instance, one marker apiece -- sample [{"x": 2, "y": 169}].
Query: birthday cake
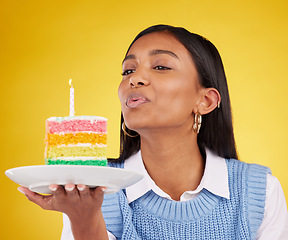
[{"x": 76, "y": 140}]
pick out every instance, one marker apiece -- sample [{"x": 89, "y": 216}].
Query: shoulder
[
  {"x": 247, "y": 169},
  {"x": 273, "y": 185},
  {"x": 250, "y": 178}
]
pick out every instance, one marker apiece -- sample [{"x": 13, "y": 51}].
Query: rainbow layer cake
[{"x": 76, "y": 140}]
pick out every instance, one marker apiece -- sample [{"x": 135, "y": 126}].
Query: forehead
[{"x": 158, "y": 40}]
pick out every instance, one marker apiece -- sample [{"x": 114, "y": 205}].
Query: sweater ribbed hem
[
  {"x": 253, "y": 178},
  {"x": 256, "y": 195}
]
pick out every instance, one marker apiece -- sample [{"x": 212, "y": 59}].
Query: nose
[{"x": 137, "y": 80}]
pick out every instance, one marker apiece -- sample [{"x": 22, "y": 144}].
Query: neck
[{"x": 173, "y": 160}]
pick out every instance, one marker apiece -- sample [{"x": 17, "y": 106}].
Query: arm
[{"x": 81, "y": 204}]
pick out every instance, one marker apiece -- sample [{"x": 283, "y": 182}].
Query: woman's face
[{"x": 160, "y": 84}]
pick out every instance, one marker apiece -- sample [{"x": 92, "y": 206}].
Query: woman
[{"x": 176, "y": 130}]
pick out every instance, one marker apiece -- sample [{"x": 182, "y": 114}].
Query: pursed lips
[{"x": 134, "y": 100}]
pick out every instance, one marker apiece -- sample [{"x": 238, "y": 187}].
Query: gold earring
[
  {"x": 126, "y": 133},
  {"x": 197, "y": 122},
  {"x": 218, "y": 104}
]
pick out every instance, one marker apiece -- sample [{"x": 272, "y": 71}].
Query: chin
[
  {"x": 136, "y": 121},
  {"x": 133, "y": 126}
]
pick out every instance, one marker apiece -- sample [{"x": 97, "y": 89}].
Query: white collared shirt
[
  {"x": 215, "y": 179},
  {"x": 212, "y": 180}
]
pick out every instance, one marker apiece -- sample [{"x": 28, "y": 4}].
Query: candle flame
[{"x": 70, "y": 82}]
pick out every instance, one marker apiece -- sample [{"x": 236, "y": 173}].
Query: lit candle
[{"x": 71, "y": 99}]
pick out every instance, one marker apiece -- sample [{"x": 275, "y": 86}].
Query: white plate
[{"x": 38, "y": 178}]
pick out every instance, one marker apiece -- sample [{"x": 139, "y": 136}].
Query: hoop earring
[
  {"x": 126, "y": 133},
  {"x": 218, "y": 104},
  {"x": 197, "y": 122}
]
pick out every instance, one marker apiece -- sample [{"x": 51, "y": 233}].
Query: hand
[
  {"x": 72, "y": 200},
  {"x": 81, "y": 204}
]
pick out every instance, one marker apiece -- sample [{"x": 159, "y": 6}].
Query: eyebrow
[
  {"x": 159, "y": 51},
  {"x": 131, "y": 56},
  {"x": 152, "y": 53}
]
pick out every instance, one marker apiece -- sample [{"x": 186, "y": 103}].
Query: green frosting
[{"x": 50, "y": 161}]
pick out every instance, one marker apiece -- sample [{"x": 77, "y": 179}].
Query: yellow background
[{"x": 44, "y": 43}]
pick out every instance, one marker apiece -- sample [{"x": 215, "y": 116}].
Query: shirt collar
[{"x": 215, "y": 178}]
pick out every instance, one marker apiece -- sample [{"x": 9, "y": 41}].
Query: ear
[{"x": 209, "y": 100}]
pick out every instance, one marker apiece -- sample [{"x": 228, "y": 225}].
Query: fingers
[
  {"x": 98, "y": 192},
  {"x": 57, "y": 191},
  {"x": 84, "y": 191},
  {"x": 72, "y": 192},
  {"x": 64, "y": 199}
]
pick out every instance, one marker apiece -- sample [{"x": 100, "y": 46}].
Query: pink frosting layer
[{"x": 77, "y": 125}]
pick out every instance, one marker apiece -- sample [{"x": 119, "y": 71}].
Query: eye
[
  {"x": 127, "y": 72},
  {"x": 162, "y": 68}
]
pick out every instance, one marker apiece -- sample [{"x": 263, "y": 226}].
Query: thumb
[{"x": 36, "y": 198}]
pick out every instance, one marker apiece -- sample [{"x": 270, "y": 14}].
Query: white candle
[{"x": 71, "y": 99}]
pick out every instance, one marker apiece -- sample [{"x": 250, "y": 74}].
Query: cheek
[
  {"x": 122, "y": 89},
  {"x": 178, "y": 97},
  {"x": 121, "y": 93}
]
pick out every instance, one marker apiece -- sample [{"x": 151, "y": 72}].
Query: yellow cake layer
[
  {"x": 74, "y": 138},
  {"x": 56, "y": 152}
]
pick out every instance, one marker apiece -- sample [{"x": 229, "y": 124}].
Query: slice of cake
[{"x": 76, "y": 140}]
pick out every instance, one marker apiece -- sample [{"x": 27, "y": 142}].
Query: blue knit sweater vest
[{"x": 207, "y": 216}]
